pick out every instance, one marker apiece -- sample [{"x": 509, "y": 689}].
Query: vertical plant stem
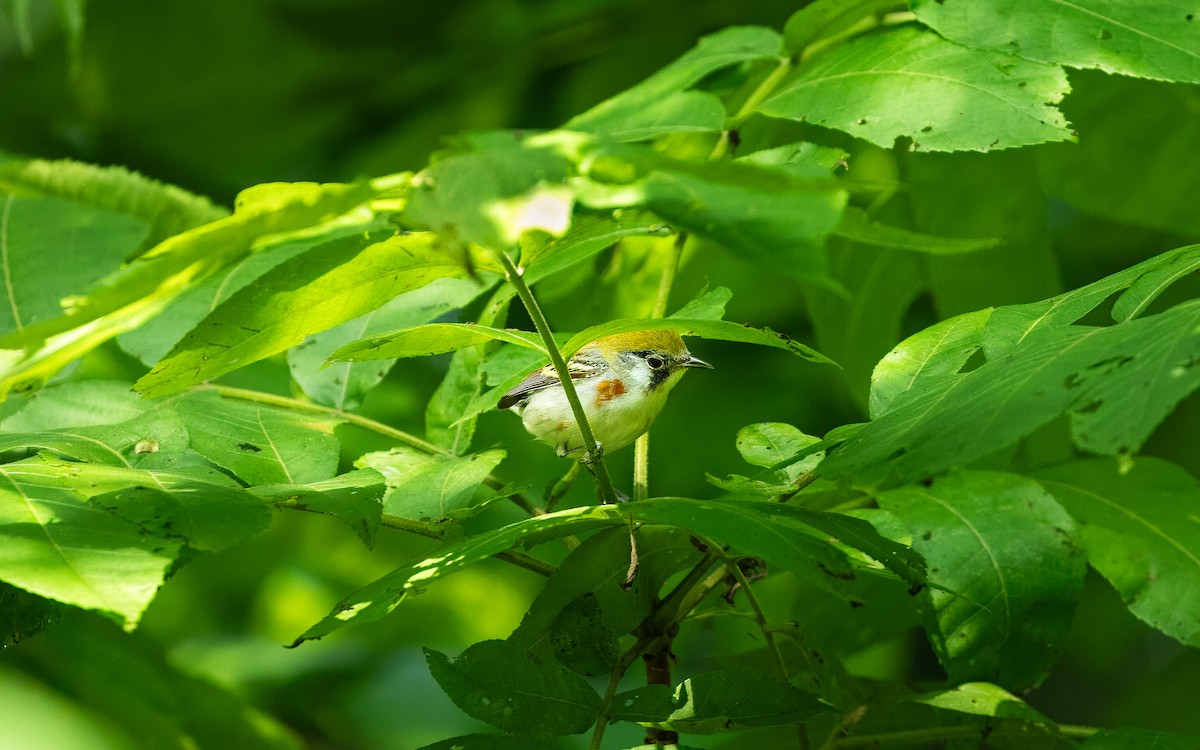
[
  {"x": 607, "y": 704},
  {"x": 591, "y": 450}
]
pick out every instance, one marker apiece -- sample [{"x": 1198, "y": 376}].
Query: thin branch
[
  {"x": 608, "y": 704},
  {"x": 591, "y": 450}
]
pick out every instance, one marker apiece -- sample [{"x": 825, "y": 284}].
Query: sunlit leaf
[
  {"x": 911, "y": 82},
  {"x": 981, "y": 699},
  {"x": 354, "y": 498},
  {"x": 719, "y": 330},
  {"x": 432, "y": 338},
  {"x": 430, "y": 488}
]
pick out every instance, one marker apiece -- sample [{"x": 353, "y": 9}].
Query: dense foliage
[{"x": 939, "y": 490}]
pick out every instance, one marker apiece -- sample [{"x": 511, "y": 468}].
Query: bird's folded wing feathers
[{"x": 546, "y": 377}]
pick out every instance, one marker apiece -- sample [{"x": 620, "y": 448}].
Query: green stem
[
  {"x": 591, "y": 449},
  {"x": 608, "y": 704},
  {"x": 924, "y": 737}
]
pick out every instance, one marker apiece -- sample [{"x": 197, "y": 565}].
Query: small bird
[{"x": 622, "y": 382}]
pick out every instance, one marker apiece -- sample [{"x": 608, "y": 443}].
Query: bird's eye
[{"x": 656, "y": 362}]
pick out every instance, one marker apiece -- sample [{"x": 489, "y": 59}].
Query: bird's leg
[{"x": 588, "y": 461}]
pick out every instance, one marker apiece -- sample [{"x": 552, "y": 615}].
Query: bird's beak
[{"x": 694, "y": 362}]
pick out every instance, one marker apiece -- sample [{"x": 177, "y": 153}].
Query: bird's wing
[{"x": 546, "y": 377}]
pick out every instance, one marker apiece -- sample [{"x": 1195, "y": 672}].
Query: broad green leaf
[
  {"x": 1131, "y": 738},
  {"x": 156, "y": 439},
  {"x": 596, "y": 571},
  {"x": 58, "y": 545},
  {"x": 490, "y": 742},
  {"x": 580, "y": 641},
  {"x": 1140, "y": 532},
  {"x": 153, "y": 340},
  {"x": 1149, "y": 40},
  {"x": 445, "y": 423},
  {"x": 764, "y": 212},
  {"x": 828, "y": 18},
  {"x": 1005, "y": 573},
  {"x": 719, "y": 702},
  {"x": 43, "y": 239},
  {"x": 1141, "y": 293},
  {"x": 547, "y": 700},
  {"x": 199, "y": 505},
  {"x": 769, "y": 444},
  {"x": 543, "y": 255},
  {"x": 258, "y": 443},
  {"x": 168, "y": 210},
  {"x": 660, "y": 104},
  {"x": 1114, "y": 112},
  {"x": 326, "y": 286},
  {"x": 858, "y": 227},
  {"x": 911, "y": 82},
  {"x": 707, "y": 306},
  {"x": 142, "y": 289},
  {"x": 432, "y": 338},
  {"x": 381, "y": 596},
  {"x": 342, "y": 385},
  {"x": 981, "y": 699},
  {"x": 494, "y": 188},
  {"x": 431, "y": 488},
  {"x": 354, "y": 498},
  {"x": 77, "y": 404},
  {"x": 719, "y": 330},
  {"x": 23, "y": 614},
  {"x": 1038, "y": 366},
  {"x": 801, "y": 159}
]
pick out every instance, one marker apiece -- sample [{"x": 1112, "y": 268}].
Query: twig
[
  {"x": 591, "y": 450},
  {"x": 608, "y": 703}
]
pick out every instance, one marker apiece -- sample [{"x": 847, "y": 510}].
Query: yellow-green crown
[{"x": 667, "y": 342}]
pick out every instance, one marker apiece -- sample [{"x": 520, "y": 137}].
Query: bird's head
[{"x": 651, "y": 359}]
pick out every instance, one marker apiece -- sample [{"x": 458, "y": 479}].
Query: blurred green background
[{"x": 224, "y": 94}]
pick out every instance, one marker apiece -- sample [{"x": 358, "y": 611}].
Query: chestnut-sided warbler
[{"x": 622, "y": 382}]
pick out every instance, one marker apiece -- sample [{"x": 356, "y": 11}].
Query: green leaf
[
  {"x": 719, "y": 330},
  {"x": 581, "y": 642},
  {"x": 910, "y": 82},
  {"x": 260, "y": 444},
  {"x": 328, "y": 285},
  {"x": 1038, "y": 365},
  {"x": 57, "y": 545},
  {"x": 354, "y": 498},
  {"x": 1005, "y": 573},
  {"x": 490, "y": 742},
  {"x": 168, "y": 210},
  {"x": 77, "y": 404},
  {"x": 766, "y": 213},
  {"x": 827, "y": 19},
  {"x": 769, "y": 444},
  {"x": 432, "y": 338},
  {"x": 1139, "y": 531},
  {"x": 660, "y": 104},
  {"x": 381, "y": 596},
  {"x": 23, "y": 615},
  {"x": 496, "y": 682},
  {"x": 143, "y": 288},
  {"x": 342, "y": 385},
  {"x": 981, "y": 699},
  {"x": 801, "y": 159},
  {"x": 1148, "y": 40},
  {"x": 431, "y": 488},
  {"x": 857, "y": 226},
  {"x": 543, "y": 255},
  {"x": 42, "y": 240},
  {"x": 1130, "y": 738},
  {"x": 707, "y": 306},
  {"x": 714, "y": 702},
  {"x": 156, "y": 439}
]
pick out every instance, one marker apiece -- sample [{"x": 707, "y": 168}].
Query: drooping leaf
[
  {"x": 431, "y": 488},
  {"x": 1006, "y": 570},
  {"x": 354, "y": 498},
  {"x": 1139, "y": 531},
  {"x": 719, "y": 702},
  {"x": 1148, "y": 40},
  {"x": 258, "y": 443},
  {"x": 59, "y": 546},
  {"x": 140, "y": 290},
  {"x": 857, "y": 226},
  {"x": 494, "y": 681},
  {"x": 42, "y": 240},
  {"x": 432, "y": 338},
  {"x": 324, "y": 287},
  {"x": 911, "y": 82},
  {"x": 661, "y": 103},
  {"x": 343, "y": 384}
]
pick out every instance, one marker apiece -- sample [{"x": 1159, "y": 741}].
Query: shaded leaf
[
  {"x": 489, "y": 742},
  {"x": 719, "y": 702},
  {"x": 1005, "y": 571},
  {"x": 1149, "y": 40},
  {"x": 1139, "y": 531},
  {"x": 496, "y": 682},
  {"x": 1131, "y": 738},
  {"x": 23, "y": 614},
  {"x": 769, "y": 444},
  {"x": 981, "y": 699},
  {"x": 857, "y": 226},
  {"x": 911, "y": 82}
]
